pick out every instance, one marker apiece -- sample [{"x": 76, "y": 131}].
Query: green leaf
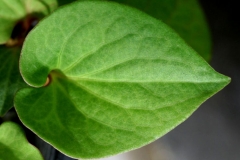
[
  {"x": 12, "y": 11},
  {"x": 184, "y": 16},
  {"x": 120, "y": 79},
  {"x": 10, "y": 78},
  {"x": 14, "y": 145}
]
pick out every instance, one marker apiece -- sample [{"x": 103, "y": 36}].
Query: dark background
[{"x": 213, "y": 131}]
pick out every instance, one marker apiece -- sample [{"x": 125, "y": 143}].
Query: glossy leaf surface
[
  {"x": 10, "y": 78},
  {"x": 14, "y": 145},
  {"x": 117, "y": 82}
]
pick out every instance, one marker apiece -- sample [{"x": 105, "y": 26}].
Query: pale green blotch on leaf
[
  {"x": 10, "y": 78},
  {"x": 12, "y": 11},
  {"x": 14, "y": 145},
  {"x": 120, "y": 79}
]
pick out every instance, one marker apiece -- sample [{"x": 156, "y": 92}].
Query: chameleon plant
[{"x": 99, "y": 78}]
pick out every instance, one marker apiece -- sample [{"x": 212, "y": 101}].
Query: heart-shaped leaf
[
  {"x": 12, "y": 11},
  {"x": 10, "y": 78},
  {"x": 119, "y": 79},
  {"x": 14, "y": 145}
]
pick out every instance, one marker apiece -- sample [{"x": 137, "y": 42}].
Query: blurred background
[{"x": 213, "y": 131}]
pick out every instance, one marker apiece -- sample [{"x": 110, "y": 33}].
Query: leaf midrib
[
  {"x": 73, "y": 78},
  {"x": 121, "y": 106}
]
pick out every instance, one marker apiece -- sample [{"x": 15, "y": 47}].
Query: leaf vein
[
  {"x": 88, "y": 116},
  {"x": 66, "y": 40},
  {"x": 93, "y": 52}
]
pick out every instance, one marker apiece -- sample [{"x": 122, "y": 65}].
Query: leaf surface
[
  {"x": 117, "y": 82},
  {"x": 10, "y": 78},
  {"x": 184, "y": 16},
  {"x": 14, "y": 145},
  {"x": 12, "y": 11}
]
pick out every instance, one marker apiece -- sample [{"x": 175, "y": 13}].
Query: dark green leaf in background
[
  {"x": 64, "y": 2},
  {"x": 10, "y": 78},
  {"x": 14, "y": 145},
  {"x": 120, "y": 79}
]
